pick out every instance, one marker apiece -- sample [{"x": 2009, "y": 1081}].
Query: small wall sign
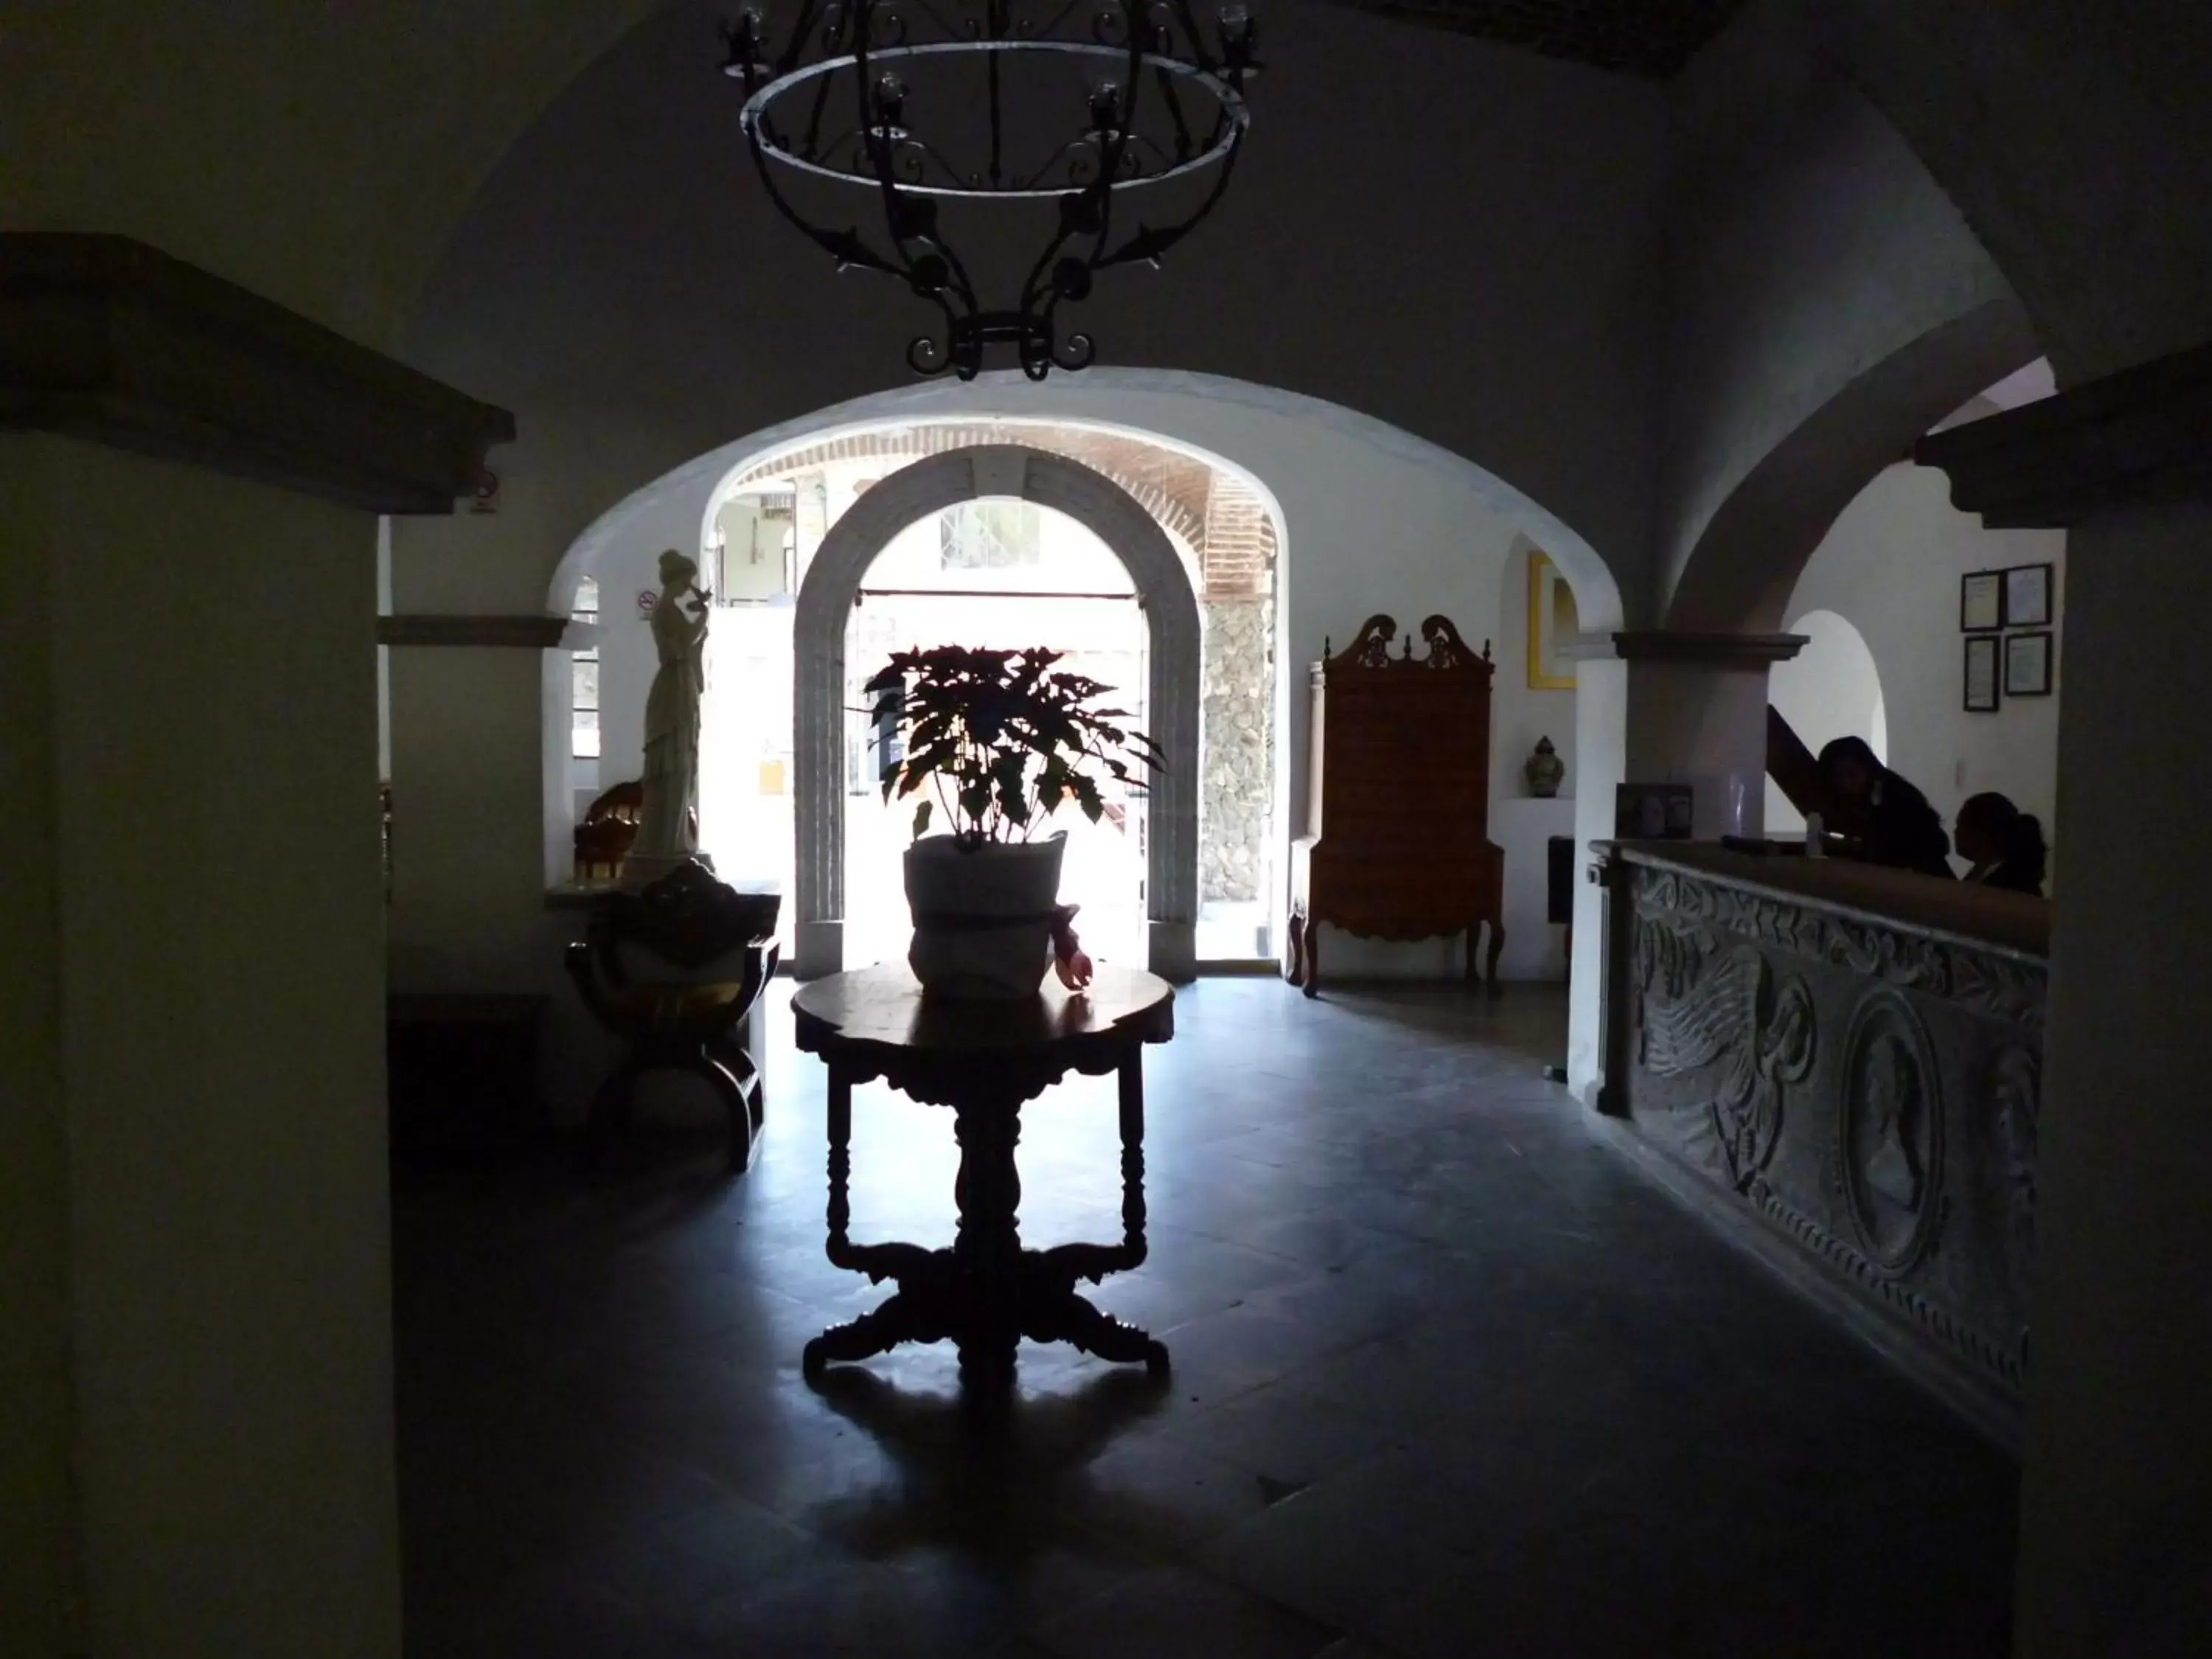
[{"x": 647, "y": 598}]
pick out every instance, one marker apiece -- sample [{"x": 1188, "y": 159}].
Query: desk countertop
[{"x": 2016, "y": 923}]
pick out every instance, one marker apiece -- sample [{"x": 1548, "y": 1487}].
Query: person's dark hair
[
  {"x": 1835, "y": 753},
  {"x": 2018, "y": 834}
]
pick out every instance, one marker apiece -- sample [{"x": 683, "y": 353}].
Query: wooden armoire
[{"x": 1398, "y": 798}]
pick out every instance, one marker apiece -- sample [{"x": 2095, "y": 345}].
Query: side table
[{"x": 985, "y": 1059}]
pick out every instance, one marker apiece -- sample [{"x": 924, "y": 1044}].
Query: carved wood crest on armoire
[{"x": 1398, "y": 798}]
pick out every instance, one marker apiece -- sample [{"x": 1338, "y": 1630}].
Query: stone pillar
[
  {"x": 196, "y": 1450},
  {"x": 1687, "y": 708},
  {"x": 1697, "y": 714},
  {"x": 2117, "y": 1487},
  {"x": 1238, "y": 747}
]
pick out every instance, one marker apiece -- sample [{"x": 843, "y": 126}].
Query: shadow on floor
[{"x": 1451, "y": 1378}]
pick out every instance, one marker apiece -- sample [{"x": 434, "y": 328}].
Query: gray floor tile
[
  {"x": 1449, "y": 1378},
  {"x": 1174, "y": 1613}
]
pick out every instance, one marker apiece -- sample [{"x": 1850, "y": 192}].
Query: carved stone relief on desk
[
  {"x": 1891, "y": 1136},
  {"x": 1986, "y": 981},
  {"x": 2014, "y": 1093},
  {"x": 1869, "y": 1091},
  {"x": 1754, "y": 1028}
]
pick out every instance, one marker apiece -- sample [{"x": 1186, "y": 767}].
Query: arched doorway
[
  {"x": 1831, "y": 689},
  {"x": 825, "y": 605}
]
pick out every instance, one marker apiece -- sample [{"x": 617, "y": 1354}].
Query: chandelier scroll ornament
[{"x": 931, "y": 104}]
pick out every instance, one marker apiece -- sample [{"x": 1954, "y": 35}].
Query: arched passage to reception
[{"x": 825, "y": 604}]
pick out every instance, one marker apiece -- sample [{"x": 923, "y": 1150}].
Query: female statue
[{"x": 668, "y": 833}]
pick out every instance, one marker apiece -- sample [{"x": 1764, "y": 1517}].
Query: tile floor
[{"x": 1450, "y": 1379}]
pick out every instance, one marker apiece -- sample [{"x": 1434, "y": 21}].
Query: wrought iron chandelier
[{"x": 931, "y": 105}]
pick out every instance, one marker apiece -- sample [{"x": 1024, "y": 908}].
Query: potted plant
[{"x": 995, "y": 742}]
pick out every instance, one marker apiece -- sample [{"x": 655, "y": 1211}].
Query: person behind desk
[
  {"x": 1890, "y": 821},
  {"x": 2004, "y": 845}
]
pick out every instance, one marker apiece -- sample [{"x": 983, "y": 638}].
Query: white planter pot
[{"x": 982, "y": 916}]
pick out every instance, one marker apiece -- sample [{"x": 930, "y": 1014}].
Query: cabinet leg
[
  {"x": 1496, "y": 949},
  {"x": 1295, "y": 972},
  {"x": 1311, "y": 982}
]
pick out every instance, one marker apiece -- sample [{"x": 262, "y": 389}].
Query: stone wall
[{"x": 1238, "y": 754}]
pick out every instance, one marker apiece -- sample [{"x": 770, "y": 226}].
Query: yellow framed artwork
[{"x": 1553, "y": 624}]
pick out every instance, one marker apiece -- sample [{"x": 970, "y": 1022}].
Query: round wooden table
[{"x": 985, "y": 1059}]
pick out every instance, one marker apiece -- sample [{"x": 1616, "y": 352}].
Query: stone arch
[
  {"x": 825, "y": 604},
  {"x": 899, "y": 445},
  {"x": 1748, "y": 558}
]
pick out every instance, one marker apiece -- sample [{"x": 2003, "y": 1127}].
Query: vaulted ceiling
[{"x": 1653, "y": 38}]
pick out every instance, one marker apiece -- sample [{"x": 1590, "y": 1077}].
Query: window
[
  {"x": 584, "y": 678},
  {"x": 989, "y": 535}
]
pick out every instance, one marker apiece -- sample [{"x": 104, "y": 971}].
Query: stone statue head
[{"x": 678, "y": 571}]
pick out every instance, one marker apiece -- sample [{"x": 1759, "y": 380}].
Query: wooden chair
[
  {"x": 609, "y": 826},
  {"x": 689, "y": 921}
]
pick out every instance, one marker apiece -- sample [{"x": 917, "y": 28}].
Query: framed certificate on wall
[
  {"x": 1982, "y": 693},
  {"x": 1981, "y": 601},
  {"x": 2027, "y": 596},
  {"x": 2027, "y": 665}
]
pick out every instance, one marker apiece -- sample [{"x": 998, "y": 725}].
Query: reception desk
[{"x": 1842, "y": 1065}]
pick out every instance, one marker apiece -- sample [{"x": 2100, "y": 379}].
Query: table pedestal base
[
  {"x": 942, "y": 1300},
  {"x": 986, "y": 1292}
]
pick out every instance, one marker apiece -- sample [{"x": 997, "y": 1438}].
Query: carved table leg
[
  {"x": 987, "y": 1245},
  {"x": 877, "y": 1331},
  {"x": 1133, "y": 1159},
  {"x": 1312, "y": 980},
  {"x": 840, "y": 1156},
  {"x": 1095, "y": 1331},
  {"x": 879, "y": 1262},
  {"x": 986, "y": 1293}
]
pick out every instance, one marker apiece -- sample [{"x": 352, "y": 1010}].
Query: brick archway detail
[
  {"x": 1216, "y": 515},
  {"x": 825, "y": 605}
]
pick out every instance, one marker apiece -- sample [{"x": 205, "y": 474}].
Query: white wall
[
  {"x": 1830, "y": 690},
  {"x": 624, "y": 286},
  {"x": 1370, "y": 521},
  {"x": 1891, "y": 566}
]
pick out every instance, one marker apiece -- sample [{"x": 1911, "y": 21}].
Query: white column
[
  {"x": 194, "y": 1118},
  {"x": 1689, "y": 709},
  {"x": 2117, "y": 1499}
]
